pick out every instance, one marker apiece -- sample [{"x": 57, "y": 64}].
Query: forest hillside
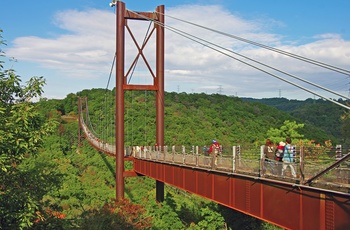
[
  {"x": 64, "y": 186},
  {"x": 196, "y": 119},
  {"x": 318, "y": 112}
]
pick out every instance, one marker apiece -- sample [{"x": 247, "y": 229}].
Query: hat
[
  {"x": 214, "y": 141},
  {"x": 282, "y": 143}
]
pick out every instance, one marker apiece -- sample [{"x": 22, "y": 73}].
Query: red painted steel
[
  {"x": 80, "y": 136},
  {"x": 160, "y": 92},
  {"x": 140, "y": 87},
  {"x": 122, "y": 84},
  {"x": 290, "y": 206},
  {"x": 130, "y": 173},
  {"x": 119, "y": 124},
  {"x": 160, "y": 77}
]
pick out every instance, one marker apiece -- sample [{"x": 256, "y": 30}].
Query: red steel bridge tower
[{"x": 122, "y": 17}]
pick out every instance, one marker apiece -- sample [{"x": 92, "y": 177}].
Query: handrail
[
  {"x": 328, "y": 168},
  {"x": 235, "y": 163}
]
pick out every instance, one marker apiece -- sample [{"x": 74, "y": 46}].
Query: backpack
[{"x": 279, "y": 152}]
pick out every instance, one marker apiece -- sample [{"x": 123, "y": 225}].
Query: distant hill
[
  {"x": 320, "y": 113},
  {"x": 196, "y": 119}
]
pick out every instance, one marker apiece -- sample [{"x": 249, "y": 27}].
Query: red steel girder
[{"x": 284, "y": 204}]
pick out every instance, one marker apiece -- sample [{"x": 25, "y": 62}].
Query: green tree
[
  {"x": 120, "y": 214},
  {"x": 345, "y": 128},
  {"x": 22, "y": 130},
  {"x": 211, "y": 219},
  {"x": 288, "y": 129}
]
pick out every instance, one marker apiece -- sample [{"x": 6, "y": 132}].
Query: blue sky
[{"x": 72, "y": 43}]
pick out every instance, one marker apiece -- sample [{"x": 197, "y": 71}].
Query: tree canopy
[{"x": 22, "y": 131}]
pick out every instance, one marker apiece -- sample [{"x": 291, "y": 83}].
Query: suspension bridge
[{"x": 317, "y": 197}]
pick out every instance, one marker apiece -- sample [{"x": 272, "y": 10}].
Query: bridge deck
[{"x": 240, "y": 181}]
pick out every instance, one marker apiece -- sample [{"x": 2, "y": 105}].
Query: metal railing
[
  {"x": 251, "y": 161},
  {"x": 307, "y": 162}
]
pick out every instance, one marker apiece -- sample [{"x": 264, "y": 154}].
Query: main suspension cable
[
  {"x": 184, "y": 34},
  {"x": 309, "y": 60},
  {"x": 263, "y": 64}
]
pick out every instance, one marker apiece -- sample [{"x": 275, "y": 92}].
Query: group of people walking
[{"x": 278, "y": 158}]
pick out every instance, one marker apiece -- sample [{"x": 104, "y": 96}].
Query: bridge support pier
[{"x": 159, "y": 191}]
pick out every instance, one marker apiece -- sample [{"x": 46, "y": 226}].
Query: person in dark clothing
[{"x": 269, "y": 155}]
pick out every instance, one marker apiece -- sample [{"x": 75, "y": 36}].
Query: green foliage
[
  {"x": 70, "y": 104},
  {"x": 116, "y": 215},
  {"x": 211, "y": 219},
  {"x": 288, "y": 129},
  {"x": 21, "y": 127},
  {"x": 318, "y": 115},
  {"x": 192, "y": 119},
  {"x": 200, "y": 118},
  {"x": 345, "y": 128},
  {"x": 22, "y": 130},
  {"x": 164, "y": 217}
]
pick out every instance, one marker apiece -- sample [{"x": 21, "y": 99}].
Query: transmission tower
[{"x": 220, "y": 89}]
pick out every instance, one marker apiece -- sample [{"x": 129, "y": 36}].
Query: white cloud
[
  {"x": 86, "y": 47},
  {"x": 83, "y": 51}
]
